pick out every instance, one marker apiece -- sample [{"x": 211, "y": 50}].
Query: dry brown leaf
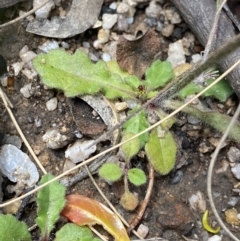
[
  {"x": 87, "y": 123},
  {"x": 137, "y": 54}
]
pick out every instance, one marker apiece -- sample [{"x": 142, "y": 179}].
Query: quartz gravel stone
[
  {"x": 52, "y": 104},
  {"x": 17, "y": 166}
]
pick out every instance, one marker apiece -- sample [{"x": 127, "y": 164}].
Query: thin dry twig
[
  {"x": 210, "y": 171},
  {"x": 213, "y": 30},
  {"x": 97, "y": 233},
  {"x": 122, "y": 143},
  {"x": 24, "y": 15},
  {"x": 20, "y": 132},
  {"x": 107, "y": 201},
  {"x": 145, "y": 202}
]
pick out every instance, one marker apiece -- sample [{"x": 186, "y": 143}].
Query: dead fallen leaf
[
  {"x": 137, "y": 54},
  {"x": 82, "y": 15},
  {"x": 85, "y": 211},
  {"x": 87, "y": 123}
]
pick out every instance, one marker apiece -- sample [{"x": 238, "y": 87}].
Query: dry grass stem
[
  {"x": 210, "y": 171},
  {"x": 213, "y": 31},
  {"x": 20, "y": 132},
  {"x": 24, "y": 15}
]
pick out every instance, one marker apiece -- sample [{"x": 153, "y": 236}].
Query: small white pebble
[
  {"x": 122, "y": 23},
  {"x": 23, "y": 50},
  {"x": 130, "y": 20},
  {"x": 38, "y": 122},
  {"x": 159, "y": 26},
  {"x": 65, "y": 45},
  {"x": 106, "y": 57},
  {"x": 17, "y": 67},
  {"x": 54, "y": 139},
  {"x": 86, "y": 45},
  {"x": 153, "y": 10},
  {"x": 109, "y": 20},
  {"x": 48, "y": 45},
  {"x": 80, "y": 151},
  {"x": 30, "y": 74},
  {"x": 27, "y": 90},
  {"x": 103, "y": 35},
  {"x": 113, "y": 5},
  {"x": 176, "y": 19},
  {"x": 196, "y": 58},
  {"x": 132, "y": 3},
  {"x": 97, "y": 45},
  {"x": 215, "y": 238},
  {"x": 27, "y": 56},
  {"x": 62, "y": 12},
  {"x": 98, "y": 24},
  {"x": 142, "y": 230},
  {"x": 122, "y": 8},
  {"x": 236, "y": 170},
  {"x": 93, "y": 57},
  {"x": 120, "y": 106},
  {"x": 52, "y": 104},
  {"x": 167, "y": 30},
  {"x": 176, "y": 54},
  {"x": 3, "y": 80},
  {"x": 44, "y": 11}
]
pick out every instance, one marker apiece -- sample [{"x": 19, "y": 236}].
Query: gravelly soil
[{"x": 168, "y": 214}]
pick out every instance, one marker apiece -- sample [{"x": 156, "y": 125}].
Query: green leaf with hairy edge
[
  {"x": 131, "y": 80},
  {"x": 189, "y": 89},
  {"x": 136, "y": 176},
  {"x": 161, "y": 152},
  {"x": 77, "y": 75},
  {"x": 137, "y": 124},
  {"x": 213, "y": 118},
  {"x": 13, "y": 230},
  {"x": 110, "y": 172},
  {"x": 134, "y": 82},
  {"x": 114, "y": 67},
  {"x": 132, "y": 147},
  {"x": 158, "y": 74},
  {"x": 72, "y": 232},
  {"x": 221, "y": 91},
  {"x": 50, "y": 201},
  {"x": 151, "y": 94}
]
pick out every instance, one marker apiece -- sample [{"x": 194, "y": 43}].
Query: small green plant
[
  {"x": 77, "y": 75},
  {"x": 50, "y": 201}
]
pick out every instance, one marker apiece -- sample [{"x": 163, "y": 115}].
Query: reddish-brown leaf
[{"x": 85, "y": 211}]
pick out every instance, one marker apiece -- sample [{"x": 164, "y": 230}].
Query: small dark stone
[
  {"x": 2, "y": 137},
  {"x": 3, "y": 65},
  {"x": 177, "y": 33},
  {"x": 186, "y": 144},
  {"x": 177, "y": 177},
  {"x": 151, "y": 22},
  {"x": 106, "y": 9}
]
